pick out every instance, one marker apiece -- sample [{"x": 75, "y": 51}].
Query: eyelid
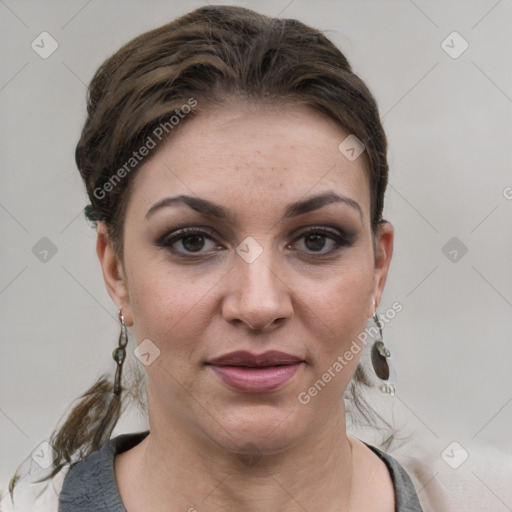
[
  {"x": 179, "y": 233},
  {"x": 326, "y": 228}
]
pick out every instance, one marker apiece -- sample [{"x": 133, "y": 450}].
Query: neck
[{"x": 181, "y": 468}]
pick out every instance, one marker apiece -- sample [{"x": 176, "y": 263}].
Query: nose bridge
[
  {"x": 259, "y": 296},
  {"x": 258, "y": 276}
]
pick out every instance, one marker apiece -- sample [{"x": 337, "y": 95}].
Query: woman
[{"x": 236, "y": 169}]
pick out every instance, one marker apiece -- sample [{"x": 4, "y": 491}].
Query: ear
[
  {"x": 113, "y": 272},
  {"x": 383, "y": 254}
]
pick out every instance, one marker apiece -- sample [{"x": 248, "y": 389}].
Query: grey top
[{"x": 90, "y": 484}]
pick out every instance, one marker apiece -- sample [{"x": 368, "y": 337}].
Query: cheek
[
  {"x": 168, "y": 305},
  {"x": 338, "y": 310},
  {"x": 335, "y": 349}
]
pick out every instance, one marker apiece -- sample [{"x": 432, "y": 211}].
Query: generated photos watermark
[{"x": 157, "y": 135}]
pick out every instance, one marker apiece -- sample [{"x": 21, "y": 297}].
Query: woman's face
[{"x": 278, "y": 257}]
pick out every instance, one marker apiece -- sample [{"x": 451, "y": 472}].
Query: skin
[{"x": 211, "y": 447}]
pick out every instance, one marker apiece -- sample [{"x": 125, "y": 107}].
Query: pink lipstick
[{"x": 256, "y": 373}]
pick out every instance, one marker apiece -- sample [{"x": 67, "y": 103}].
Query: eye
[
  {"x": 193, "y": 242},
  {"x": 317, "y": 239},
  {"x": 187, "y": 241}
]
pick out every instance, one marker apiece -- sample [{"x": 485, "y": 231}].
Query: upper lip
[{"x": 244, "y": 358}]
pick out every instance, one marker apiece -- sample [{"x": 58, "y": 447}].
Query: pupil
[
  {"x": 196, "y": 245},
  {"x": 318, "y": 242}
]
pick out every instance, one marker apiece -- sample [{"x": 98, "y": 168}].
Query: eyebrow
[{"x": 292, "y": 210}]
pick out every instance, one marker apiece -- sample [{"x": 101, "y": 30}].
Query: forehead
[{"x": 253, "y": 156}]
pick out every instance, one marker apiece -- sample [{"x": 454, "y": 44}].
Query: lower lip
[{"x": 256, "y": 380}]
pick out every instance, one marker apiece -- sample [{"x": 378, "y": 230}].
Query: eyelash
[{"x": 170, "y": 239}]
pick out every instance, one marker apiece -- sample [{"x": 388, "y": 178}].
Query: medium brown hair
[{"x": 211, "y": 54}]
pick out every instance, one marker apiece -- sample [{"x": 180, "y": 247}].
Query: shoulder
[
  {"x": 392, "y": 488},
  {"x": 87, "y": 481},
  {"x": 405, "y": 492},
  {"x": 91, "y": 484},
  {"x": 444, "y": 487},
  {"x": 78, "y": 486}
]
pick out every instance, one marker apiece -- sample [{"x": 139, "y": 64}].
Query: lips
[
  {"x": 256, "y": 373},
  {"x": 243, "y": 358}
]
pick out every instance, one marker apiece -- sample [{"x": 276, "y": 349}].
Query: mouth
[{"x": 256, "y": 373}]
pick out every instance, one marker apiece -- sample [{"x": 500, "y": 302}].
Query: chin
[{"x": 258, "y": 429}]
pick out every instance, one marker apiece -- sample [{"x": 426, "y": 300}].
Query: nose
[{"x": 258, "y": 296}]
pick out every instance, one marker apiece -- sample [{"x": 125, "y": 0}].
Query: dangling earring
[
  {"x": 380, "y": 353},
  {"x": 119, "y": 354}
]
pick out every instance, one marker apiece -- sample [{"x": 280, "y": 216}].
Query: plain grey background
[{"x": 448, "y": 120}]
